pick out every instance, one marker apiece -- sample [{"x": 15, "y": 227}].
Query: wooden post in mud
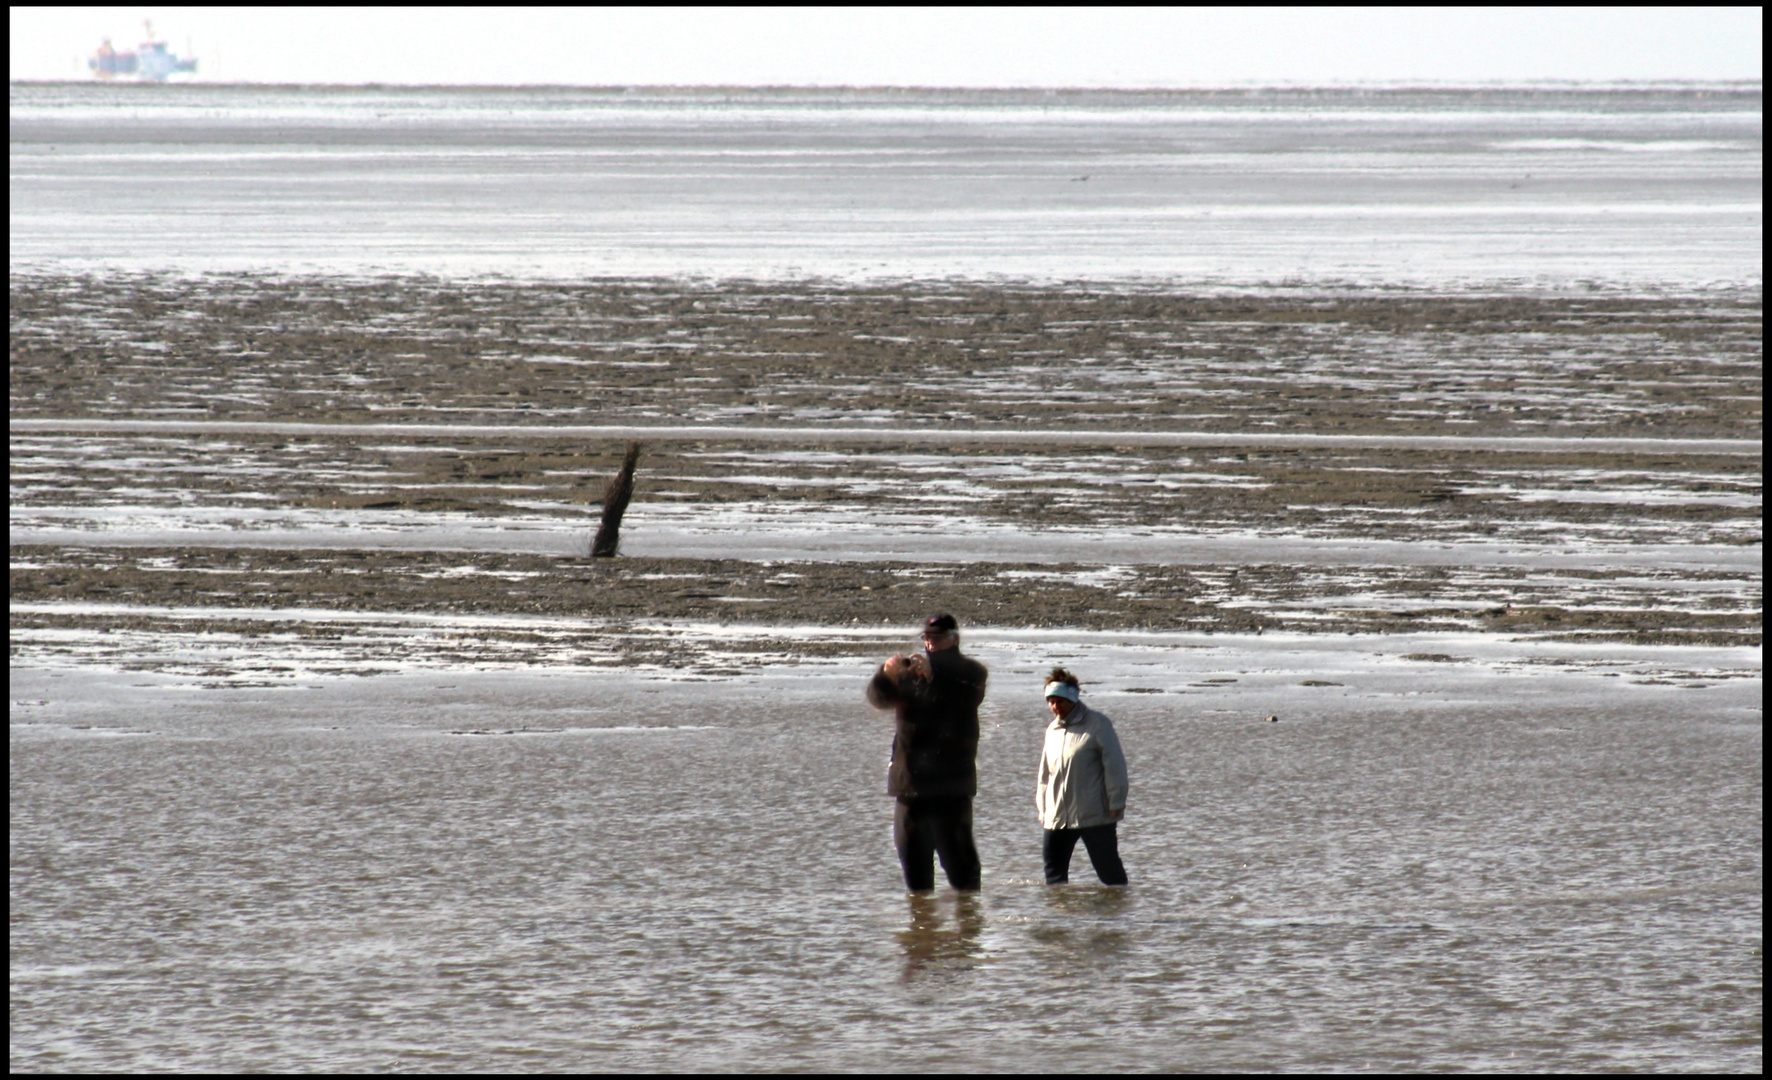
[{"x": 615, "y": 503}]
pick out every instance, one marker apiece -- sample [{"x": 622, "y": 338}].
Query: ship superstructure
[{"x": 151, "y": 61}]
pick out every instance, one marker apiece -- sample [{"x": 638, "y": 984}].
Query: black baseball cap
[{"x": 939, "y": 624}]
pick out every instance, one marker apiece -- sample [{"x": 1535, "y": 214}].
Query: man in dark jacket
[{"x": 934, "y": 770}]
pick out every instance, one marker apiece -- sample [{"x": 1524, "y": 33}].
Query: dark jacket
[{"x": 935, "y": 743}]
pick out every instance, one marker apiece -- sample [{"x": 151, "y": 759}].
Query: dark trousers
[
  {"x": 1103, "y": 844},
  {"x": 925, "y": 828}
]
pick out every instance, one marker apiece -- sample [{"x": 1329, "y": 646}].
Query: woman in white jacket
[{"x": 1082, "y": 790}]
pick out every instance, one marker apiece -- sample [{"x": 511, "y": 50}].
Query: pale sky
[{"x": 1099, "y": 47}]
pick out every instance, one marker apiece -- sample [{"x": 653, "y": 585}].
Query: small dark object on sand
[
  {"x": 615, "y": 503},
  {"x": 1273, "y": 719}
]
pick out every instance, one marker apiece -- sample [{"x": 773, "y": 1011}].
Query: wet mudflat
[
  {"x": 1609, "y": 479},
  {"x": 1452, "y": 851},
  {"x": 1094, "y": 356},
  {"x": 1427, "y": 421},
  {"x": 333, "y": 750},
  {"x": 61, "y": 587}
]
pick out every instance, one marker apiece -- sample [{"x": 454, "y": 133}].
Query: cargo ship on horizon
[{"x": 151, "y": 61}]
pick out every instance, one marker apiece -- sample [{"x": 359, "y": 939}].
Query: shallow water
[
  {"x": 253, "y": 831},
  {"x": 1656, "y": 188},
  {"x": 1545, "y": 857},
  {"x": 1553, "y": 503}
]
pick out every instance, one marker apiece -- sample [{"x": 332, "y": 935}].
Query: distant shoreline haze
[
  {"x": 1743, "y": 86},
  {"x": 1536, "y": 186}
]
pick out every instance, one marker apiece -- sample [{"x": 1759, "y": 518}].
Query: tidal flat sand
[
  {"x": 333, "y": 749},
  {"x": 835, "y": 454}
]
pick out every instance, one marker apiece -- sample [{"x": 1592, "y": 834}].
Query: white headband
[{"x": 1063, "y": 690}]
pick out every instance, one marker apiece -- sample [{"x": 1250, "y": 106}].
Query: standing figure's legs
[
  {"x": 1103, "y": 843},
  {"x": 951, "y": 824},
  {"x": 916, "y": 854},
  {"x": 1057, "y": 849}
]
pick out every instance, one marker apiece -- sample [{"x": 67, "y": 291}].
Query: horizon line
[{"x": 1196, "y": 88}]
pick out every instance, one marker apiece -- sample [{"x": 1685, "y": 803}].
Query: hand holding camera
[{"x": 915, "y": 664}]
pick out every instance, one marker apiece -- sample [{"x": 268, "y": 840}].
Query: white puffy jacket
[{"x": 1082, "y": 772}]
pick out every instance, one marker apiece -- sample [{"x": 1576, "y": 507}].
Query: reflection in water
[
  {"x": 1086, "y": 924},
  {"x": 932, "y": 939},
  {"x": 1089, "y": 901},
  {"x": 1445, "y": 872}
]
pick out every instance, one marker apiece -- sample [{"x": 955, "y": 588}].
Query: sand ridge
[{"x": 925, "y": 412}]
